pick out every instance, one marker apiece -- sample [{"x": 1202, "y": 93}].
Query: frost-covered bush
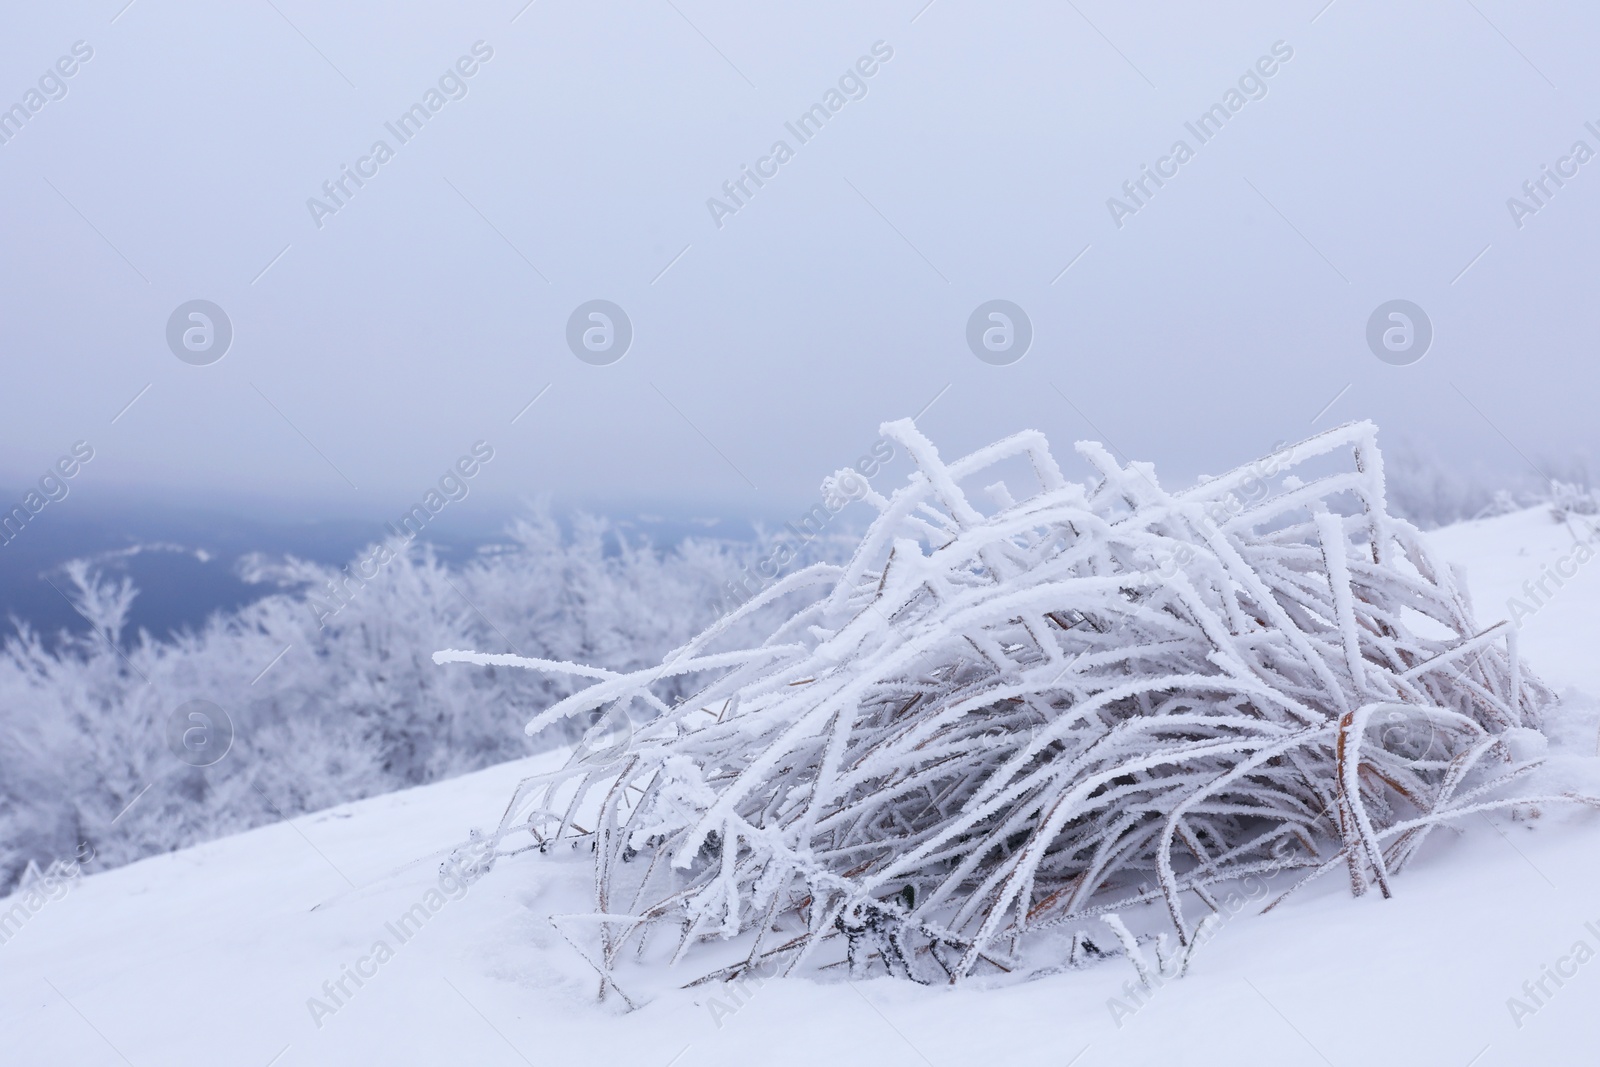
[
  {"x": 1432, "y": 493},
  {"x": 1568, "y": 500},
  {"x": 348, "y": 710},
  {"x": 997, "y": 720}
]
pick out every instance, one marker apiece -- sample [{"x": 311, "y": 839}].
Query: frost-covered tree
[{"x": 327, "y": 706}]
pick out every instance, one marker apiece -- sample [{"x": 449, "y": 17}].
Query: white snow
[
  {"x": 210, "y": 955},
  {"x": 1508, "y": 552}
]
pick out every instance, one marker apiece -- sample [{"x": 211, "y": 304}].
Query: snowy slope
[
  {"x": 212, "y": 955},
  {"x": 1507, "y": 558}
]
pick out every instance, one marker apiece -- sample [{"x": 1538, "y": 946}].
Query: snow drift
[{"x": 999, "y": 720}]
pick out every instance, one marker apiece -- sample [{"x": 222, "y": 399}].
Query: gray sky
[{"x": 1222, "y": 316}]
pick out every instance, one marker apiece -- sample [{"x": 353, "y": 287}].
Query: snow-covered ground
[
  {"x": 1507, "y": 558},
  {"x": 219, "y": 953}
]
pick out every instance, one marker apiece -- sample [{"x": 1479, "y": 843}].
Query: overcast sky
[{"x": 373, "y": 344}]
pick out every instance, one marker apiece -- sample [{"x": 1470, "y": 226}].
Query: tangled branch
[{"x": 995, "y": 720}]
